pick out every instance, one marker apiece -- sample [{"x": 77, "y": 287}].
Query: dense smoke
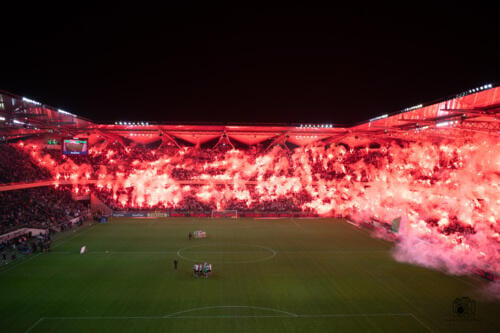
[{"x": 447, "y": 194}]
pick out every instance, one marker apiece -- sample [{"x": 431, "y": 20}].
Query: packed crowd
[
  {"x": 42, "y": 207},
  {"x": 447, "y": 192},
  {"x": 190, "y": 202},
  {"x": 17, "y": 166}
]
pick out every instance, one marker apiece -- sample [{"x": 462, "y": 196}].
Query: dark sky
[{"x": 294, "y": 64}]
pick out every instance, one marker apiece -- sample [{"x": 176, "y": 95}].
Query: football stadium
[{"x": 391, "y": 224}]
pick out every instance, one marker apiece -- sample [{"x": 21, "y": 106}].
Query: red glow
[{"x": 448, "y": 195}]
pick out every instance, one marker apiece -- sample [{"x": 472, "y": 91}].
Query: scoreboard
[{"x": 75, "y": 147}]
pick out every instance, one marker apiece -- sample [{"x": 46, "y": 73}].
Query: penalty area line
[
  {"x": 9, "y": 268},
  {"x": 291, "y": 316},
  {"x": 35, "y": 324}
]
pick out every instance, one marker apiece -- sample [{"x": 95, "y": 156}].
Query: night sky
[{"x": 208, "y": 64}]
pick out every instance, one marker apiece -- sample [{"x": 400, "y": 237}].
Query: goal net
[{"x": 225, "y": 214}]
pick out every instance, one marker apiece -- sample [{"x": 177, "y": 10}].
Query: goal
[{"x": 225, "y": 214}]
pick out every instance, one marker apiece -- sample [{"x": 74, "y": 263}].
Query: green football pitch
[{"x": 288, "y": 275}]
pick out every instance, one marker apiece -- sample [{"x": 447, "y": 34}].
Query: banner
[
  {"x": 130, "y": 214},
  {"x": 157, "y": 214},
  {"x": 174, "y": 213},
  {"x": 22, "y": 231},
  {"x": 140, "y": 214}
]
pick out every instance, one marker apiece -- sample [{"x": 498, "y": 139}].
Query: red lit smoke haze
[{"x": 447, "y": 194}]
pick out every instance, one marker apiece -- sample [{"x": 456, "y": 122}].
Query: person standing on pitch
[
  {"x": 190, "y": 235},
  {"x": 175, "y": 264},
  {"x": 205, "y": 270}
]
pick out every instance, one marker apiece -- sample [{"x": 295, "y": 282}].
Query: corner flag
[{"x": 395, "y": 224}]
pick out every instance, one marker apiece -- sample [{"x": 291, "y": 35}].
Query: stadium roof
[{"x": 474, "y": 111}]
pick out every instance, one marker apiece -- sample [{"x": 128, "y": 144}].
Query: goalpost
[{"x": 231, "y": 213}]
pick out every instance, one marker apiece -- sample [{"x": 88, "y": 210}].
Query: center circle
[{"x": 227, "y": 254}]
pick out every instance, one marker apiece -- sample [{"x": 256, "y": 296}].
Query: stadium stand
[
  {"x": 17, "y": 166},
  {"x": 43, "y": 207},
  {"x": 434, "y": 167}
]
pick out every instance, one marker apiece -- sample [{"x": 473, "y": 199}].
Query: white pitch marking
[
  {"x": 321, "y": 315},
  {"x": 421, "y": 322},
  {"x": 79, "y": 233},
  {"x": 290, "y": 314},
  {"x": 274, "y": 252},
  {"x": 20, "y": 263},
  {"x": 227, "y": 252},
  {"x": 34, "y": 325}
]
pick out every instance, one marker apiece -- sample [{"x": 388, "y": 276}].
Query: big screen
[{"x": 75, "y": 146}]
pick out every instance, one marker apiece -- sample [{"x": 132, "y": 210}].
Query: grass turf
[{"x": 287, "y": 275}]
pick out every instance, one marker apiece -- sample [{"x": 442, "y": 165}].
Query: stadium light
[
  {"x": 25, "y": 99},
  {"x": 379, "y": 117},
  {"x": 2, "y": 119},
  {"x": 413, "y": 107},
  {"x": 446, "y": 123},
  {"x": 65, "y": 112}
]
